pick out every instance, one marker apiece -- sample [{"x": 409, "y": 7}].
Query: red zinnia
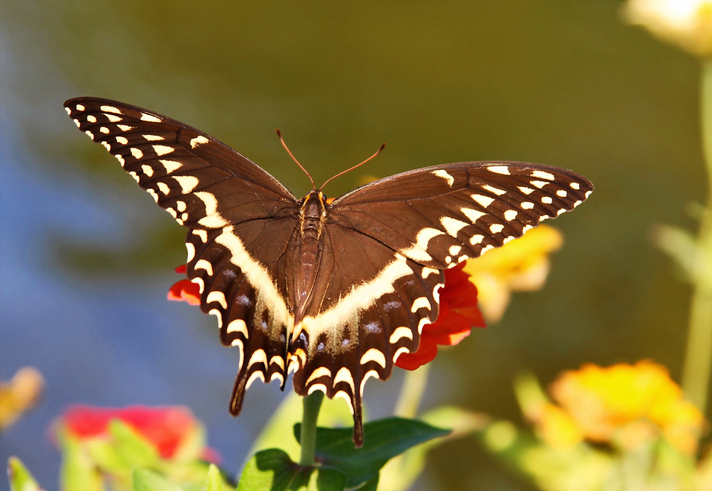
[
  {"x": 458, "y": 315},
  {"x": 185, "y": 290},
  {"x": 165, "y": 427}
]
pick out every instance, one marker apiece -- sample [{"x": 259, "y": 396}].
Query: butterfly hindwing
[{"x": 240, "y": 272}]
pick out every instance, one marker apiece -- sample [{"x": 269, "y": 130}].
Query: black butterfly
[{"x": 333, "y": 292}]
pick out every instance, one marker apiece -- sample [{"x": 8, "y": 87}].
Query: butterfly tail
[
  {"x": 358, "y": 421},
  {"x": 238, "y": 393},
  {"x": 255, "y": 367}
]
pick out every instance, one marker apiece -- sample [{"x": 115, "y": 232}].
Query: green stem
[
  {"x": 311, "y": 403},
  {"x": 412, "y": 392},
  {"x": 698, "y": 357}
]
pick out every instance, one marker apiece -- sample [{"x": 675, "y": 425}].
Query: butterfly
[{"x": 331, "y": 291}]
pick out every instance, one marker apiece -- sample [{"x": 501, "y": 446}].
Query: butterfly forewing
[
  {"x": 241, "y": 222},
  {"x": 183, "y": 169},
  {"x": 378, "y": 259},
  {"x": 439, "y": 216}
]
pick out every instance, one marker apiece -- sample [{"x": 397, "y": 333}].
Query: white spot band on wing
[
  {"x": 445, "y": 175},
  {"x": 499, "y": 169},
  {"x": 452, "y": 226},
  {"x": 213, "y": 219},
  {"x": 150, "y": 118},
  {"x": 359, "y": 298},
  {"x": 258, "y": 277},
  {"x": 418, "y": 252},
  {"x": 543, "y": 175}
]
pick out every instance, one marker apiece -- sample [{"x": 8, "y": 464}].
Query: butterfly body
[{"x": 331, "y": 292}]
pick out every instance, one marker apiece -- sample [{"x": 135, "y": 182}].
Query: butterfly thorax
[{"x": 312, "y": 216}]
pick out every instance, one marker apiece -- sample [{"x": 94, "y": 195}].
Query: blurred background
[{"x": 86, "y": 258}]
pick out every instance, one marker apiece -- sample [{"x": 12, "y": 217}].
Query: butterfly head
[{"x": 313, "y": 207}]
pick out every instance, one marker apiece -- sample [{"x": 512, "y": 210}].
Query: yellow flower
[
  {"x": 557, "y": 428},
  {"x": 19, "y": 395},
  {"x": 687, "y": 23},
  {"x": 629, "y": 405},
  {"x": 521, "y": 265}
]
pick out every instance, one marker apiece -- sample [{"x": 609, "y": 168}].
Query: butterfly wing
[
  {"x": 387, "y": 245},
  {"x": 370, "y": 306},
  {"x": 383, "y": 250},
  {"x": 439, "y": 216},
  {"x": 242, "y": 224}
]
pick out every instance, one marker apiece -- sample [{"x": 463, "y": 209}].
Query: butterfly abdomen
[{"x": 312, "y": 217}]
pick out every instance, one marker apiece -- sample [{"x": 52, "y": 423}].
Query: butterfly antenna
[
  {"x": 293, "y": 158},
  {"x": 351, "y": 168}
]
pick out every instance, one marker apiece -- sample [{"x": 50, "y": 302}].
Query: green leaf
[
  {"x": 332, "y": 413},
  {"x": 680, "y": 244},
  {"x": 133, "y": 448},
  {"x": 215, "y": 479},
  {"x": 20, "y": 477},
  {"x": 273, "y": 470},
  {"x": 78, "y": 471},
  {"x": 370, "y": 485},
  {"x": 145, "y": 480},
  {"x": 400, "y": 473},
  {"x": 383, "y": 440},
  {"x": 327, "y": 479},
  {"x": 104, "y": 455}
]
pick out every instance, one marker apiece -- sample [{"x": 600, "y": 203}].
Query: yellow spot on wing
[
  {"x": 344, "y": 375},
  {"x": 203, "y": 264},
  {"x": 198, "y": 140},
  {"x": 373, "y": 355},
  {"x": 213, "y": 219},
  {"x": 318, "y": 373},
  {"x": 400, "y": 333},
  {"x": 238, "y": 325},
  {"x": 445, "y": 175},
  {"x": 186, "y": 183},
  {"x": 419, "y": 303},
  {"x": 216, "y": 296},
  {"x": 108, "y": 109},
  {"x": 452, "y": 226}
]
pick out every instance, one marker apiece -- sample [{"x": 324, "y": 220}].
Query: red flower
[
  {"x": 185, "y": 290},
  {"x": 167, "y": 428},
  {"x": 458, "y": 315}
]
